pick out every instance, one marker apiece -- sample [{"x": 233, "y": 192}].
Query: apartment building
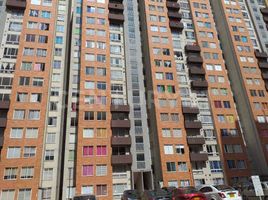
[
  {"x": 244, "y": 61},
  {"x": 210, "y": 129},
  {"x": 97, "y": 97}
]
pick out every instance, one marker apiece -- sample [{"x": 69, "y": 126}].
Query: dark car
[
  {"x": 189, "y": 193},
  {"x": 85, "y": 197},
  {"x": 131, "y": 195},
  {"x": 156, "y": 195},
  {"x": 169, "y": 189}
]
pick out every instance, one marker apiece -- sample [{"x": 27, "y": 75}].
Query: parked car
[
  {"x": 131, "y": 195},
  {"x": 186, "y": 193},
  {"x": 169, "y": 189},
  {"x": 156, "y": 195},
  {"x": 220, "y": 192},
  {"x": 85, "y": 197},
  {"x": 248, "y": 193}
]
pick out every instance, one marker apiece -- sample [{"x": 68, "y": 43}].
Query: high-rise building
[{"x": 101, "y": 96}]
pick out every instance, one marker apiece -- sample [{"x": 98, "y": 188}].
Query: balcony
[
  {"x": 120, "y": 123},
  {"x": 3, "y": 122},
  {"x": 199, "y": 84},
  {"x": 118, "y": 17},
  {"x": 263, "y": 65},
  {"x": 265, "y": 18},
  {"x": 16, "y": 4},
  {"x": 173, "y": 5},
  {"x": 120, "y": 108},
  {"x": 4, "y": 105},
  {"x": 261, "y": 54},
  {"x": 1, "y": 140},
  {"x": 176, "y": 25},
  {"x": 121, "y": 159},
  {"x": 265, "y": 76},
  {"x": 190, "y": 110},
  {"x": 192, "y": 48},
  {"x": 175, "y": 15},
  {"x": 196, "y": 140},
  {"x": 264, "y": 11},
  {"x": 197, "y": 71},
  {"x": 201, "y": 156},
  {"x": 195, "y": 59},
  {"x": 193, "y": 124},
  {"x": 121, "y": 141},
  {"x": 116, "y": 6}
]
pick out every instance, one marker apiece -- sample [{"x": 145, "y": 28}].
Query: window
[
  {"x": 89, "y": 85},
  {"x": 89, "y": 57},
  {"x": 180, "y": 149},
  {"x": 215, "y": 166},
  {"x": 29, "y": 152},
  {"x": 27, "y": 66},
  {"x": 7, "y": 194},
  {"x": 119, "y": 188},
  {"x": 41, "y": 52},
  {"x": 47, "y": 174},
  {"x": 230, "y": 118},
  {"x": 177, "y": 132},
  {"x": 101, "y": 85},
  {"x": 87, "y": 150},
  {"x": 101, "y": 71},
  {"x": 11, "y": 52},
  {"x": 101, "y": 190},
  {"x": 261, "y": 119},
  {"x": 171, "y": 89},
  {"x": 89, "y": 115},
  {"x": 16, "y": 132},
  {"x": 168, "y": 149},
  {"x": 24, "y": 80},
  {"x": 51, "y": 138},
  {"x": 182, "y": 167},
  {"x": 174, "y": 117},
  {"x": 34, "y": 114},
  {"x": 101, "y": 58},
  {"x": 38, "y": 82},
  {"x": 217, "y": 104},
  {"x": 31, "y": 133},
  {"x": 52, "y": 121},
  {"x": 164, "y": 116},
  {"x": 39, "y": 67},
  {"x": 10, "y": 173},
  {"x": 101, "y": 115},
  {"x": 27, "y": 172},
  {"x": 89, "y": 70},
  {"x": 184, "y": 183},
  {"x": 15, "y": 26},
  {"x": 24, "y": 194},
  {"x": 49, "y": 155},
  {"x": 231, "y": 164},
  {"x": 221, "y": 118},
  {"x": 46, "y": 14},
  {"x": 87, "y": 189},
  {"x": 71, "y": 155},
  {"x": 101, "y": 133},
  {"x": 87, "y": 170},
  {"x": 13, "y": 152},
  {"x": 88, "y": 133},
  {"x": 12, "y": 39},
  {"x": 101, "y": 151},
  {"x": 46, "y": 193},
  {"x": 101, "y": 170},
  {"x": 171, "y": 166}
]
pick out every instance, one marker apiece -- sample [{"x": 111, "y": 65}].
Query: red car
[{"x": 187, "y": 193}]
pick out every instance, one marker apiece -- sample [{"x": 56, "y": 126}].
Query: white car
[{"x": 220, "y": 192}]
